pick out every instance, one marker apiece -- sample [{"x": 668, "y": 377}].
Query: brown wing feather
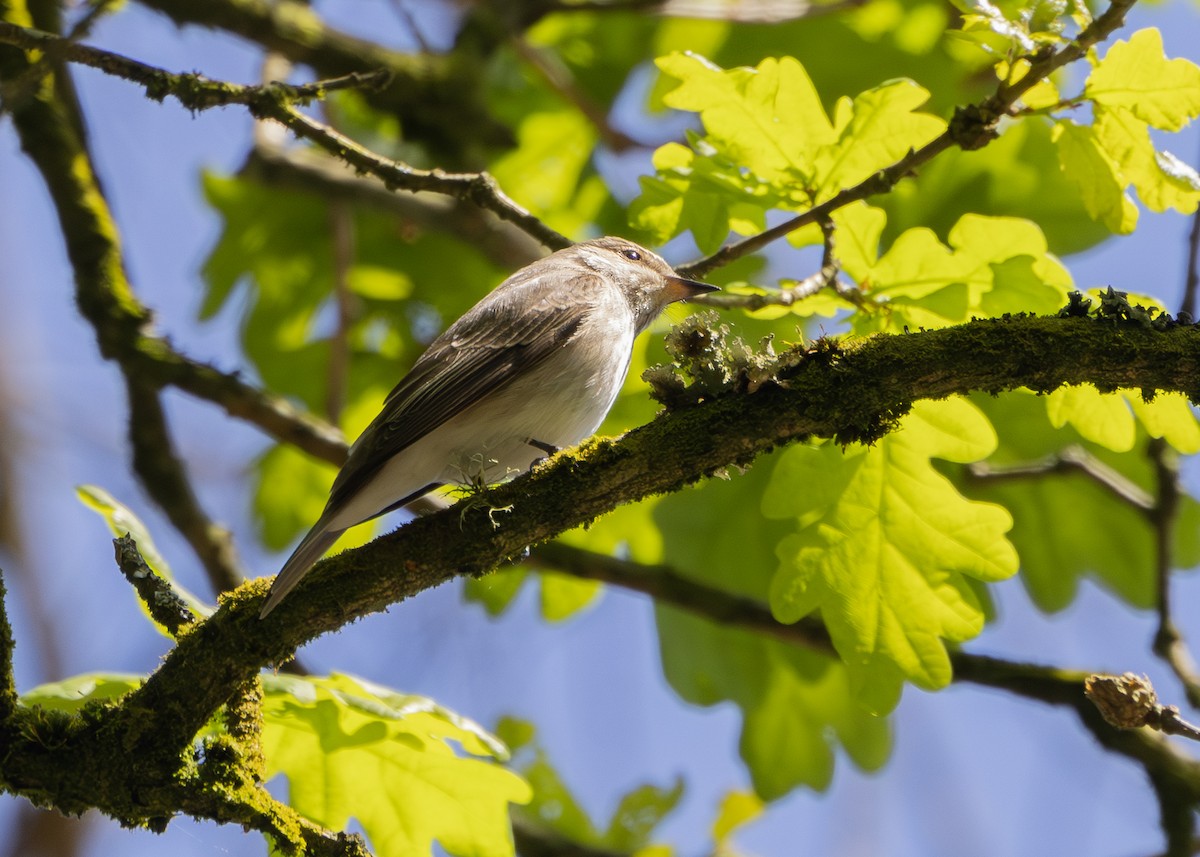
[{"x": 499, "y": 339}]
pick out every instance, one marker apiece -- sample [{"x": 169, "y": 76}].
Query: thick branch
[{"x": 850, "y": 394}]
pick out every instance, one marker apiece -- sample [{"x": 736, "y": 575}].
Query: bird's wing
[{"x": 485, "y": 350}]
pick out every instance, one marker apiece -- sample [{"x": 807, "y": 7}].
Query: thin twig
[
  {"x": 435, "y": 95},
  {"x": 971, "y": 128},
  {"x": 806, "y": 288},
  {"x": 165, "y": 606},
  {"x": 194, "y": 91},
  {"x": 1191, "y": 282},
  {"x": 274, "y": 101},
  {"x": 479, "y": 188},
  {"x": 1073, "y": 459}
]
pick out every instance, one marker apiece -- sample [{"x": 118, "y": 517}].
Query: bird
[{"x": 532, "y": 368}]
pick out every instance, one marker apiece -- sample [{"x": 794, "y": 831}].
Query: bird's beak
[{"x": 679, "y": 289}]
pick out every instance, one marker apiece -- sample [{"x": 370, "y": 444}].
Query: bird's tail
[{"x": 311, "y": 548}]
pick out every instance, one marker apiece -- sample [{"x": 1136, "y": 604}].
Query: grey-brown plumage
[{"x": 531, "y": 368}]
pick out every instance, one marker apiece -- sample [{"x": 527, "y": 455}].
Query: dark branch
[
  {"x": 164, "y": 477},
  {"x": 435, "y": 96},
  {"x": 1073, "y": 459},
  {"x": 165, "y": 606},
  {"x": 274, "y": 102},
  {"x": 1169, "y": 642}
]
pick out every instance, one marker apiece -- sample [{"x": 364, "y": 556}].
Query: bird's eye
[{"x": 632, "y": 255}]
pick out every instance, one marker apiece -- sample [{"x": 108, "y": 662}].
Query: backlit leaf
[
  {"x": 1137, "y": 76},
  {"x": 1095, "y": 174},
  {"x": 885, "y": 558},
  {"x": 352, "y": 750}
]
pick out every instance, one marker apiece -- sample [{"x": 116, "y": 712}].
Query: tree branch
[
  {"x": 273, "y": 102},
  {"x": 50, "y": 127},
  {"x": 971, "y": 128},
  {"x": 435, "y": 96},
  {"x": 165, "y": 606},
  {"x": 1169, "y": 643},
  {"x": 1073, "y": 459},
  {"x": 851, "y": 394}
]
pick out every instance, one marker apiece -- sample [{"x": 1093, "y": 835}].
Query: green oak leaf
[
  {"x": 992, "y": 264},
  {"x": 351, "y": 749},
  {"x": 701, "y": 191},
  {"x": 883, "y": 551},
  {"x": 1137, "y": 76},
  {"x": 1168, "y": 416},
  {"x": 1099, "y": 417},
  {"x": 1015, "y": 271},
  {"x": 797, "y": 704},
  {"x": 1161, "y": 180},
  {"x": 876, "y": 129},
  {"x": 548, "y": 169},
  {"x": 73, "y": 693},
  {"x": 1088, "y": 165},
  {"x": 769, "y": 119},
  {"x": 737, "y": 809},
  {"x": 1104, "y": 537},
  {"x": 564, "y": 596}
]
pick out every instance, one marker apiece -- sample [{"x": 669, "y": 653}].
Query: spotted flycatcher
[{"x": 530, "y": 369}]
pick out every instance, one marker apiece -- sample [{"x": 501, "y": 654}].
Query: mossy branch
[
  {"x": 49, "y": 123},
  {"x": 853, "y": 394},
  {"x": 827, "y": 391},
  {"x": 276, "y": 102}
]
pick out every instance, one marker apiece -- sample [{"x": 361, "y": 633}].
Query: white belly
[{"x": 558, "y": 404}]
